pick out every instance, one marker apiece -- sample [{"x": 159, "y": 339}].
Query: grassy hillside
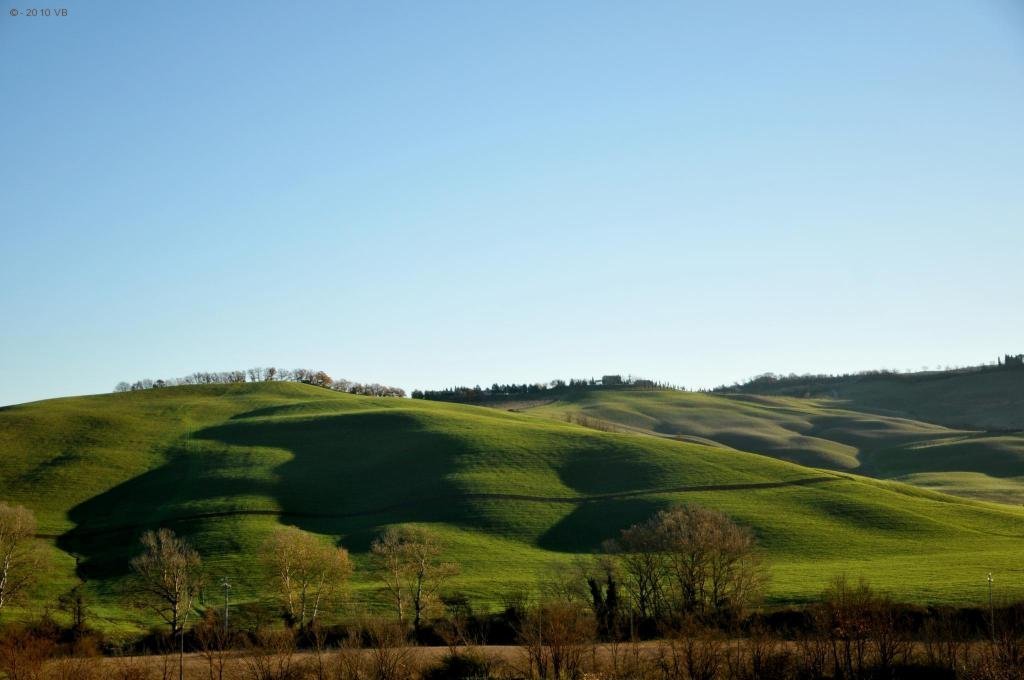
[
  {"x": 816, "y": 433},
  {"x": 511, "y": 493},
  {"x": 985, "y": 398}
]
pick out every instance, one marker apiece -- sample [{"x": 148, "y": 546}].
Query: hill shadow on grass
[
  {"x": 997, "y": 456},
  {"x": 107, "y": 526},
  {"x": 321, "y": 474},
  {"x": 348, "y": 475},
  {"x": 609, "y": 466},
  {"x": 591, "y": 523}
]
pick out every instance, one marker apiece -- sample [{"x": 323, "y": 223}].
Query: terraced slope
[
  {"x": 815, "y": 432},
  {"x": 511, "y": 493}
]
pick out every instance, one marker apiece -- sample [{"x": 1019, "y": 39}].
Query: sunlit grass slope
[
  {"x": 815, "y": 433},
  {"x": 511, "y": 493}
]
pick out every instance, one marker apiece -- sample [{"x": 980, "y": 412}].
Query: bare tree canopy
[
  {"x": 167, "y": 577},
  {"x": 20, "y": 554},
  {"x": 306, "y": 572},
  {"x": 690, "y": 561},
  {"x": 409, "y": 560},
  {"x": 256, "y": 374},
  {"x": 556, "y": 636}
]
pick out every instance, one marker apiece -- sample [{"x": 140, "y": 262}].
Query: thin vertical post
[
  {"x": 181, "y": 653},
  {"x": 227, "y": 589},
  {"x": 991, "y": 609}
]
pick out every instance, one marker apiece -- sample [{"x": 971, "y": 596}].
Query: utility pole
[
  {"x": 991, "y": 609},
  {"x": 227, "y": 590}
]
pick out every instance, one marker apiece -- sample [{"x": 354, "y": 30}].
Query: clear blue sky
[{"x": 435, "y": 193}]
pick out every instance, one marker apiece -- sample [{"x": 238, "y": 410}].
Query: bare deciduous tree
[
  {"x": 409, "y": 560},
  {"x": 306, "y": 571},
  {"x": 390, "y": 562},
  {"x": 24, "y": 653},
  {"x": 75, "y": 603},
  {"x": 555, "y": 637},
  {"x": 890, "y": 640},
  {"x": 945, "y": 637},
  {"x": 215, "y": 642},
  {"x": 693, "y": 653},
  {"x": 390, "y": 657},
  {"x": 845, "y": 617},
  {"x": 273, "y": 656},
  {"x": 20, "y": 554},
  {"x": 643, "y": 565},
  {"x": 168, "y": 577},
  {"x": 711, "y": 559},
  {"x": 349, "y": 660},
  {"x": 689, "y": 561}
]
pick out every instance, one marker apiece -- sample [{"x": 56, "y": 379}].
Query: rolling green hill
[
  {"x": 982, "y": 398},
  {"x": 511, "y": 493},
  {"x": 817, "y": 433}
]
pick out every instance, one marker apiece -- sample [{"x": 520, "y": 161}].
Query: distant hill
[
  {"x": 822, "y": 433},
  {"x": 984, "y": 397},
  {"x": 511, "y": 493}
]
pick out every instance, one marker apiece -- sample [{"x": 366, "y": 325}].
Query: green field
[
  {"x": 817, "y": 433},
  {"x": 512, "y": 493}
]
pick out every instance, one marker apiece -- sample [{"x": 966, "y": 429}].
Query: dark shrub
[{"x": 465, "y": 666}]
